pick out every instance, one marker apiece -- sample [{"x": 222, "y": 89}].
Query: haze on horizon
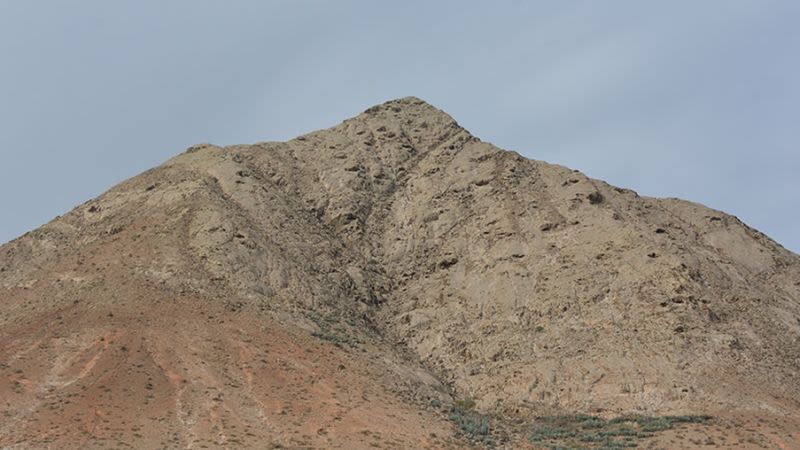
[{"x": 680, "y": 99}]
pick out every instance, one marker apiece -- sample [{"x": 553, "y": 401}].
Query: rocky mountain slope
[{"x": 354, "y": 286}]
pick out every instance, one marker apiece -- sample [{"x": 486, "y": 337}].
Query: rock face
[{"x": 343, "y": 288}]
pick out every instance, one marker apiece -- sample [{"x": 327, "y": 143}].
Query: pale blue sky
[{"x": 691, "y": 99}]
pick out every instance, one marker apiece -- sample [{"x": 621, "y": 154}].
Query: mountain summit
[{"x": 393, "y": 282}]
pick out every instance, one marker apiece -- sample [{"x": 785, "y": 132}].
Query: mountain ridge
[{"x": 438, "y": 265}]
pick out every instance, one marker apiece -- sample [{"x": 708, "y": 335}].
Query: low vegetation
[
  {"x": 592, "y": 432},
  {"x": 471, "y": 424},
  {"x": 334, "y": 330}
]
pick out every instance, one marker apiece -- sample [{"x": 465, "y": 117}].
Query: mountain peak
[
  {"x": 409, "y": 107},
  {"x": 404, "y": 126}
]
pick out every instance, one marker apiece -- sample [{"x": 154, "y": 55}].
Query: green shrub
[
  {"x": 593, "y": 422},
  {"x": 470, "y": 423},
  {"x": 591, "y": 432},
  {"x": 547, "y": 432},
  {"x": 337, "y": 339}
]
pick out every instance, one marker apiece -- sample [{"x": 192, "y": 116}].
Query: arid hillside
[{"x": 394, "y": 282}]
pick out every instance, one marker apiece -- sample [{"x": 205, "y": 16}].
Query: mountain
[{"x": 393, "y": 282}]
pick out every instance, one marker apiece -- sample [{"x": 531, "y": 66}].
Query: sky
[{"x": 692, "y": 99}]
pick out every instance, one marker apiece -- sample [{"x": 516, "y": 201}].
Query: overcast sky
[{"x": 691, "y": 99}]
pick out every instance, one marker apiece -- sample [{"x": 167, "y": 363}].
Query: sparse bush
[
  {"x": 593, "y": 422},
  {"x": 547, "y": 432},
  {"x": 653, "y": 424},
  {"x": 465, "y": 404},
  {"x": 471, "y": 423},
  {"x": 337, "y": 339},
  {"x": 591, "y": 432}
]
